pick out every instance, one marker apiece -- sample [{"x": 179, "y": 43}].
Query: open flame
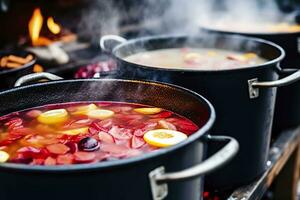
[
  {"x": 52, "y": 26},
  {"x": 35, "y": 26}
]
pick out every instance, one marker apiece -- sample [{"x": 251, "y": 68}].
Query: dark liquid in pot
[
  {"x": 73, "y": 133},
  {"x": 196, "y": 59}
]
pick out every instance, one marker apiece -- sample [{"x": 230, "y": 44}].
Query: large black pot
[
  {"x": 9, "y": 76},
  {"x": 287, "y": 109},
  {"x": 243, "y": 103},
  {"x": 170, "y": 173}
]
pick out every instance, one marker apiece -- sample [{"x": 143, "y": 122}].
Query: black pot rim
[
  {"x": 29, "y": 64},
  {"x": 252, "y": 34},
  {"x": 118, "y": 163},
  {"x": 230, "y": 36}
]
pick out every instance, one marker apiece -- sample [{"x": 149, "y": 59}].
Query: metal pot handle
[
  {"x": 254, "y": 85},
  {"x": 159, "y": 178},
  {"x": 36, "y": 77},
  {"x": 114, "y": 38}
]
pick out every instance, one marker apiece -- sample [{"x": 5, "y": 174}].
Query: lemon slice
[
  {"x": 148, "y": 111},
  {"x": 100, "y": 114},
  {"x": 164, "y": 137},
  {"x": 75, "y": 131},
  {"x": 83, "y": 110},
  {"x": 3, "y": 156},
  {"x": 53, "y": 116},
  {"x": 250, "y": 55}
]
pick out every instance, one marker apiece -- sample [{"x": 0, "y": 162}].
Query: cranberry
[{"x": 88, "y": 144}]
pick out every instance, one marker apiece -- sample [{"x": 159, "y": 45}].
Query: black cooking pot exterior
[
  {"x": 244, "y": 111},
  {"x": 136, "y": 178},
  {"x": 287, "y": 109}
]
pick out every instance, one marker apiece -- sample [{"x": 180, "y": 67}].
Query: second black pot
[
  {"x": 287, "y": 109},
  {"x": 244, "y": 102}
]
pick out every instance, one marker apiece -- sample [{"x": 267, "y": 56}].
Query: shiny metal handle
[
  {"x": 279, "y": 83},
  {"x": 159, "y": 178},
  {"x": 254, "y": 84},
  {"x": 36, "y": 77},
  {"x": 113, "y": 38}
]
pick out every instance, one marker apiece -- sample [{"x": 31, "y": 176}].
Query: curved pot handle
[
  {"x": 254, "y": 84},
  {"x": 159, "y": 178},
  {"x": 36, "y": 77},
  {"x": 113, "y": 38}
]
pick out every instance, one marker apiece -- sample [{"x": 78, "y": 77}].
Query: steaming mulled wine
[{"x": 73, "y": 133}]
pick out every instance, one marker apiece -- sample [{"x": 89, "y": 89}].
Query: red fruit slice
[
  {"x": 29, "y": 152},
  {"x": 163, "y": 114},
  {"x": 143, "y": 130},
  {"x": 19, "y": 158},
  {"x": 33, "y": 113},
  {"x": 37, "y": 161},
  {"x": 58, "y": 148},
  {"x": 120, "y": 133},
  {"x": 107, "y": 123},
  {"x": 84, "y": 157},
  {"x": 114, "y": 149},
  {"x": 78, "y": 123},
  {"x": 97, "y": 126},
  {"x": 50, "y": 161},
  {"x": 65, "y": 159},
  {"x": 105, "y": 137},
  {"x": 139, "y": 132},
  {"x": 166, "y": 125},
  {"x": 73, "y": 146},
  {"x": 102, "y": 156},
  {"x": 21, "y": 131},
  {"x": 137, "y": 142},
  {"x": 15, "y": 122}
]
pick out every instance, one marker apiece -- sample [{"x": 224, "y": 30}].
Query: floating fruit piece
[
  {"x": 164, "y": 137},
  {"x": 211, "y": 53},
  {"x": 148, "y": 111},
  {"x": 29, "y": 152},
  {"x": 100, "y": 114},
  {"x": 76, "y": 131},
  {"x": 105, "y": 137},
  {"x": 53, "y": 116},
  {"x": 137, "y": 142},
  {"x": 33, "y": 113},
  {"x": 88, "y": 144},
  {"x": 120, "y": 133},
  {"x": 192, "y": 56},
  {"x": 3, "y": 156},
  {"x": 65, "y": 159},
  {"x": 83, "y": 110},
  {"x": 166, "y": 125},
  {"x": 50, "y": 161},
  {"x": 84, "y": 157},
  {"x": 239, "y": 58},
  {"x": 250, "y": 55},
  {"x": 58, "y": 148}
]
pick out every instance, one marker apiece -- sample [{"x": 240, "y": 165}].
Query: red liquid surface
[{"x": 29, "y": 141}]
